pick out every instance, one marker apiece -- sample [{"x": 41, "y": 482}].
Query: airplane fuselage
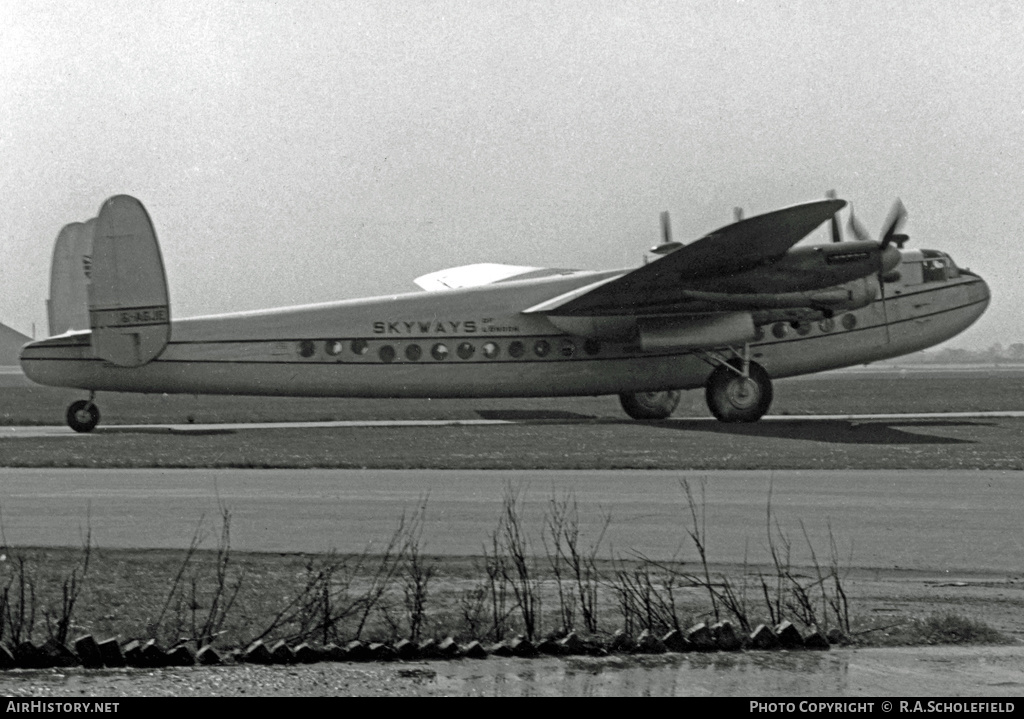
[{"x": 477, "y": 343}]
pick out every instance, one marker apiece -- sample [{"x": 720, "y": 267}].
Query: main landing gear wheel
[
  {"x": 650, "y": 405},
  {"x": 732, "y": 397},
  {"x": 83, "y": 415}
]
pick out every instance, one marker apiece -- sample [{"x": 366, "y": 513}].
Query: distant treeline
[{"x": 993, "y": 354}]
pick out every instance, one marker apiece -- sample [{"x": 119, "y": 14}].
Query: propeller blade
[
  {"x": 836, "y": 232},
  {"x": 897, "y": 215},
  {"x": 858, "y": 229},
  {"x": 666, "y": 228}
]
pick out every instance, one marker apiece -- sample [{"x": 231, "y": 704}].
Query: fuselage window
[
  {"x": 803, "y": 328},
  {"x": 849, "y": 321},
  {"x": 516, "y": 349},
  {"x": 359, "y": 347},
  {"x": 592, "y": 347},
  {"x": 386, "y": 353},
  {"x": 827, "y": 325},
  {"x": 490, "y": 350},
  {"x": 759, "y": 333},
  {"x": 541, "y": 348},
  {"x": 307, "y": 348},
  {"x": 780, "y": 330},
  {"x": 568, "y": 348},
  {"x": 466, "y": 350},
  {"x": 413, "y": 353},
  {"x": 334, "y": 347},
  {"x": 439, "y": 352}
]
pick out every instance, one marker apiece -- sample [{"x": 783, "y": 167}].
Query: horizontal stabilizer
[{"x": 129, "y": 310}]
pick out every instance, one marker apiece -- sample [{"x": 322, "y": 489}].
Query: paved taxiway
[
  {"x": 945, "y": 520},
  {"x": 32, "y": 431}
]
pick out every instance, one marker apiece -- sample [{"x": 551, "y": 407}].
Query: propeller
[
  {"x": 667, "y": 245},
  {"x": 887, "y": 259}
]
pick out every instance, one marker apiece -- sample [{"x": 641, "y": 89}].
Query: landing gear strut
[
  {"x": 650, "y": 405},
  {"x": 738, "y": 390},
  {"x": 84, "y": 415}
]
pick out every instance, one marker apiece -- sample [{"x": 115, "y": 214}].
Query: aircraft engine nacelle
[{"x": 695, "y": 331}]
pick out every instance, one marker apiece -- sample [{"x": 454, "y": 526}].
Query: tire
[
  {"x": 733, "y": 398},
  {"x": 650, "y": 405},
  {"x": 83, "y": 416}
]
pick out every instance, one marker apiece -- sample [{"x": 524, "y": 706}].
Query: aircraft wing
[
  {"x": 662, "y": 285},
  {"x": 456, "y": 278}
]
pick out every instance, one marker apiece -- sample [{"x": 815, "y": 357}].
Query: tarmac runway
[{"x": 942, "y": 520}]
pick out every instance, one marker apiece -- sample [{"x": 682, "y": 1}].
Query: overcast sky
[{"x": 299, "y": 151}]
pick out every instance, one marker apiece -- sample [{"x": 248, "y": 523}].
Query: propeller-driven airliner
[{"x": 729, "y": 312}]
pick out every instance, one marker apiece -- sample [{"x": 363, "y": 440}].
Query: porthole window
[
  {"x": 849, "y": 321},
  {"x": 541, "y": 348},
  {"x": 359, "y": 347},
  {"x": 307, "y": 348},
  {"x": 516, "y": 350},
  {"x": 803, "y": 328},
  {"x": 759, "y": 333},
  {"x": 592, "y": 347},
  {"x": 413, "y": 353},
  {"x": 490, "y": 350},
  {"x": 439, "y": 352},
  {"x": 386, "y": 353},
  {"x": 827, "y": 325},
  {"x": 568, "y": 348},
  {"x": 334, "y": 347},
  {"x": 466, "y": 350},
  {"x": 780, "y": 330}
]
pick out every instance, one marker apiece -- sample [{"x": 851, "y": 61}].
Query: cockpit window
[{"x": 934, "y": 270}]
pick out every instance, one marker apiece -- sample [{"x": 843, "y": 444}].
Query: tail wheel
[
  {"x": 83, "y": 416},
  {"x": 732, "y": 397},
  {"x": 650, "y": 405}
]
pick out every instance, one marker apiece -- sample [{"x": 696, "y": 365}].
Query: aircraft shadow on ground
[
  {"x": 530, "y": 415},
  {"x": 830, "y": 431}
]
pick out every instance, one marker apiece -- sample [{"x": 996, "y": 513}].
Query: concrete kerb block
[
  {"x": 281, "y": 653},
  {"x": 622, "y": 643},
  {"x": 58, "y": 655},
  {"x": 333, "y": 653},
  {"x": 308, "y": 654},
  {"x": 6, "y": 658},
  {"x": 208, "y": 657},
  {"x": 572, "y": 644},
  {"x": 523, "y": 647},
  {"x": 725, "y": 637},
  {"x": 448, "y": 648},
  {"x": 763, "y": 638},
  {"x": 132, "y": 651},
  {"x": 406, "y": 650},
  {"x": 428, "y": 649},
  {"x": 181, "y": 655},
  {"x": 814, "y": 639},
  {"x": 501, "y": 649},
  {"x": 700, "y": 638},
  {"x": 28, "y": 656},
  {"x": 113, "y": 657},
  {"x": 674, "y": 641},
  {"x": 382, "y": 652},
  {"x": 356, "y": 651},
  {"x": 256, "y": 653},
  {"x": 88, "y": 651},
  {"x": 552, "y": 647},
  {"x": 474, "y": 650},
  {"x": 153, "y": 655},
  {"x": 648, "y": 643},
  {"x": 789, "y": 636}
]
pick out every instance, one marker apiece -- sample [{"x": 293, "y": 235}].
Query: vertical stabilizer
[
  {"x": 68, "y": 306},
  {"x": 129, "y": 311}
]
